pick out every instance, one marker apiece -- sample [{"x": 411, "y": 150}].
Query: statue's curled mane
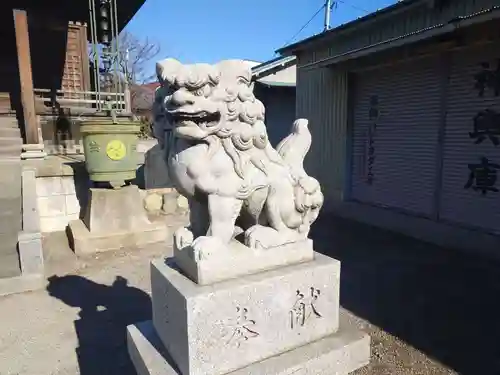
[{"x": 242, "y": 130}]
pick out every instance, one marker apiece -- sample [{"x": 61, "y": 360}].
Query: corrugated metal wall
[
  {"x": 322, "y": 98},
  {"x": 460, "y": 202},
  {"x": 280, "y": 110},
  {"x": 397, "y": 116},
  {"x": 431, "y": 104},
  {"x": 425, "y": 142}
]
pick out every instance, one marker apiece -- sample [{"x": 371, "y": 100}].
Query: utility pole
[{"x": 328, "y": 9}]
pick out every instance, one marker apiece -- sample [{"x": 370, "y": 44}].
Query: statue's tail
[
  {"x": 294, "y": 148},
  {"x": 308, "y": 196}
]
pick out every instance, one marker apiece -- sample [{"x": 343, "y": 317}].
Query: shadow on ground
[
  {"x": 105, "y": 313},
  {"x": 442, "y": 302}
]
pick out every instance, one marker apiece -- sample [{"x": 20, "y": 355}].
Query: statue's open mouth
[{"x": 202, "y": 118}]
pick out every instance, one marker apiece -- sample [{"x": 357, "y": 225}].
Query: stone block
[
  {"x": 72, "y": 204},
  {"x": 115, "y": 210},
  {"x": 48, "y": 186},
  {"x": 153, "y": 202},
  {"x": 339, "y": 354},
  {"x": 33, "y": 154},
  {"x": 31, "y": 218},
  {"x": 51, "y": 206},
  {"x": 240, "y": 261},
  {"x": 115, "y": 219},
  {"x": 216, "y": 329},
  {"x": 84, "y": 242},
  {"x": 33, "y": 147},
  {"x": 182, "y": 203},
  {"x": 169, "y": 206},
  {"x": 53, "y": 224},
  {"x": 30, "y": 253},
  {"x": 68, "y": 185},
  {"x": 72, "y": 217}
]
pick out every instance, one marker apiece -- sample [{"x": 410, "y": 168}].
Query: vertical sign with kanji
[
  {"x": 373, "y": 114},
  {"x": 482, "y": 176}
]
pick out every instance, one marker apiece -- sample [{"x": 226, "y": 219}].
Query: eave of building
[
  {"x": 276, "y": 84},
  {"x": 272, "y": 67},
  {"x": 349, "y": 27},
  {"x": 74, "y": 10}
]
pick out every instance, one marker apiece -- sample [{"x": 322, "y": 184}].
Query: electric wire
[
  {"x": 305, "y": 25},
  {"x": 333, "y": 4}
]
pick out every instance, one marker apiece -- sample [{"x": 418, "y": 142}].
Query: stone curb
[{"x": 21, "y": 284}]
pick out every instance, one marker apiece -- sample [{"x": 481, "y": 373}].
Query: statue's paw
[
  {"x": 183, "y": 237},
  {"x": 260, "y": 237},
  {"x": 207, "y": 246}
]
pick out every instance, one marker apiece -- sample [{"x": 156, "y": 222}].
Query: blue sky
[{"x": 212, "y": 30}]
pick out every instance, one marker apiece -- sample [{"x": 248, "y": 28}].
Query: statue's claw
[
  {"x": 207, "y": 246},
  {"x": 183, "y": 237}
]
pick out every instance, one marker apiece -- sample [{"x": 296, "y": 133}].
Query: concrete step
[
  {"x": 12, "y": 167},
  {"x": 10, "y": 164},
  {"x": 10, "y": 141},
  {"x": 8, "y": 121},
  {"x": 6, "y": 242},
  {"x": 10, "y": 215},
  {"x": 11, "y": 150},
  {"x": 9, "y": 224},
  {"x": 9, "y": 258},
  {"x": 10, "y": 132},
  {"x": 10, "y": 183},
  {"x": 10, "y": 198}
]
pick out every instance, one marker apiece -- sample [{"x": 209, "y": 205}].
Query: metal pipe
[
  {"x": 96, "y": 54},
  {"x": 93, "y": 42},
  {"x": 328, "y": 9},
  {"x": 119, "y": 83}
]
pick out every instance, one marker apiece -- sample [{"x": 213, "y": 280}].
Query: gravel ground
[{"x": 428, "y": 310}]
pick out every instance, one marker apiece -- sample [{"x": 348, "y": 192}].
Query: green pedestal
[{"x": 110, "y": 150}]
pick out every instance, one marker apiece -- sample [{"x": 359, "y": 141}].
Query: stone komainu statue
[{"x": 219, "y": 157}]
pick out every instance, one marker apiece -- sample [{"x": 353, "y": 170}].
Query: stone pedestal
[
  {"x": 339, "y": 354},
  {"x": 280, "y": 321},
  {"x": 114, "y": 219},
  {"x": 240, "y": 261}
]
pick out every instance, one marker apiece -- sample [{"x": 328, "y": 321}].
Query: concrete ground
[{"x": 429, "y": 310}]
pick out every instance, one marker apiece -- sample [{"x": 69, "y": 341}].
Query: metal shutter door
[
  {"x": 404, "y": 101},
  {"x": 459, "y": 204}
]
